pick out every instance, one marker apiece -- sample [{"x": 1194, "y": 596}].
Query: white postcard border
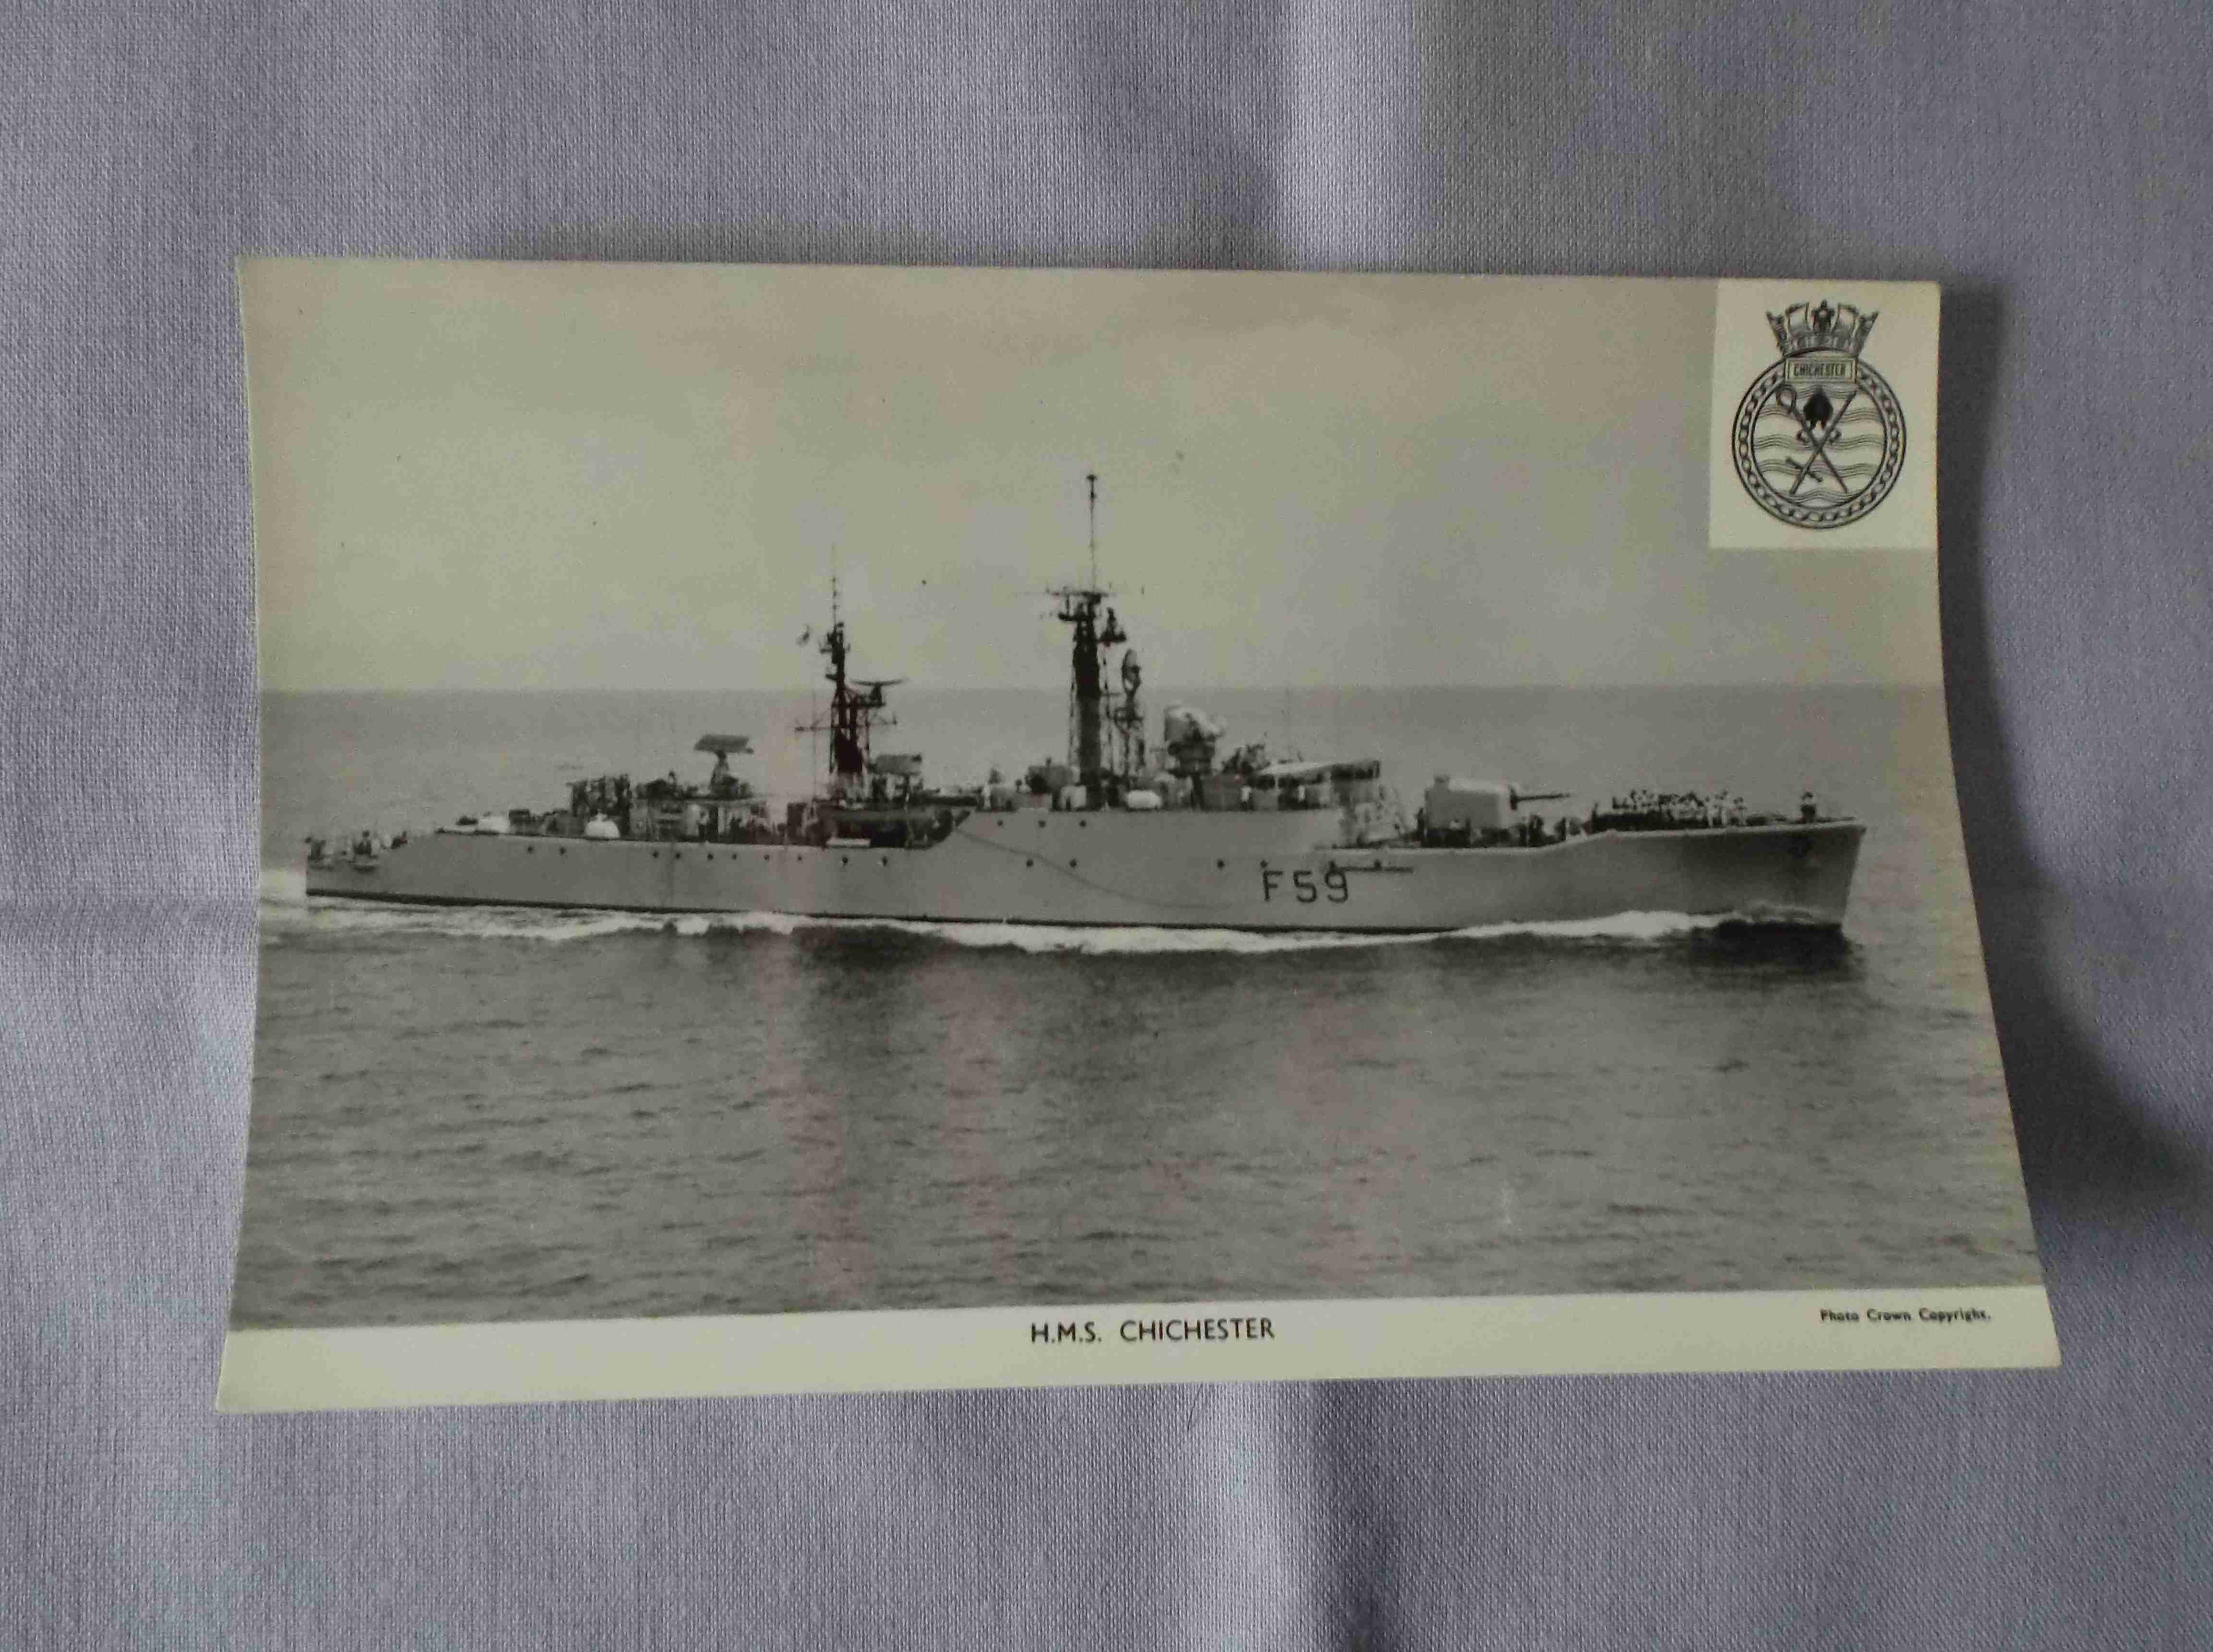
[{"x": 1839, "y": 1330}]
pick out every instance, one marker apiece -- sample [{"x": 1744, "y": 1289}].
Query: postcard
[{"x": 834, "y": 829}]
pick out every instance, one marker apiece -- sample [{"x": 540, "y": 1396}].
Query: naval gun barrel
[{"x": 1517, "y": 796}]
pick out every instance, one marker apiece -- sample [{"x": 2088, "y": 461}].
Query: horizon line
[{"x": 1768, "y": 684}]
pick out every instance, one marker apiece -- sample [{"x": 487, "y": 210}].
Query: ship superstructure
[{"x": 868, "y": 797}]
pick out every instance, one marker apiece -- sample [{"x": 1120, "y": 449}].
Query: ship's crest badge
[{"x": 1819, "y": 437}]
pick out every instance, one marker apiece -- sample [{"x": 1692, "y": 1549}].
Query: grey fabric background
[{"x": 2048, "y": 165}]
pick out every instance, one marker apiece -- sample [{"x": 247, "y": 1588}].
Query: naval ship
[{"x": 1186, "y": 832}]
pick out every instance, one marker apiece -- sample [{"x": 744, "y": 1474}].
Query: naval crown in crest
[{"x": 1803, "y": 328}]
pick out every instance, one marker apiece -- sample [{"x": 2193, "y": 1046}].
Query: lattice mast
[
  {"x": 857, "y": 710},
  {"x": 1096, "y": 630}
]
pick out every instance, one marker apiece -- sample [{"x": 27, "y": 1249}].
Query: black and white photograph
[{"x": 863, "y": 828}]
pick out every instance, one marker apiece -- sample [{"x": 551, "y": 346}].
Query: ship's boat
[{"x": 1118, "y": 833}]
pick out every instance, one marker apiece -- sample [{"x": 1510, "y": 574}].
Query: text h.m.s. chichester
[{"x": 1252, "y": 1328}]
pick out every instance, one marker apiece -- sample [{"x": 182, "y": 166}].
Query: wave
[
  {"x": 286, "y": 913},
  {"x": 1860, "y": 413},
  {"x": 1836, "y": 444},
  {"x": 1818, "y": 487},
  {"x": 1038, "y": 938}
]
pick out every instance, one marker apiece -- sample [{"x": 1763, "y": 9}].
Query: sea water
[{"x": 473, "y": 1114}]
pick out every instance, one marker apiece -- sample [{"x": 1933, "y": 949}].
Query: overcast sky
[{"x": 577, "y": 475}]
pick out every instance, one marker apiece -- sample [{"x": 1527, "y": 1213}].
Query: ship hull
[{"x": 1181, "y": 870}]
